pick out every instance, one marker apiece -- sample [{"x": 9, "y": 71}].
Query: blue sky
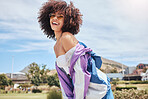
[{"x": 114, "y": 29}]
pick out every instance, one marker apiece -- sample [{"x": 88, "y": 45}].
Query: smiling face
[{"x": 56, "y": 21}]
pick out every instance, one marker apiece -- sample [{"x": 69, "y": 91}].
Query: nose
[{"x": 55, "y": 18}]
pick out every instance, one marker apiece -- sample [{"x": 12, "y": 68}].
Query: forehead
[{"x": 59, "y": 12}]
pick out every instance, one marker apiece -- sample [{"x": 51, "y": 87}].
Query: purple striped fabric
[
  {"x": 87, "y": 74},
  {"x": 65, "y": 82},
  {"x": 83, "y": 58}
]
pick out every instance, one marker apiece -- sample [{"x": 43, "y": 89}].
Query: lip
[{"x": 55, "y": 23}]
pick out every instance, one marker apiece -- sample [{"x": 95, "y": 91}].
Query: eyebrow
[
  {"x": 60, "y": 13},
  {"x": 57, "y": 13}
]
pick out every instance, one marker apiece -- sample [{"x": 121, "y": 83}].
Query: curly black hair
[{"x": 72, "y": 17}]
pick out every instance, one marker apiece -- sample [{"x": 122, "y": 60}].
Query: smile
[{"x": 55, "y": 23}]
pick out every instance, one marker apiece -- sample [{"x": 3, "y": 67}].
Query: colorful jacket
[{"x": 85, "y": 80}]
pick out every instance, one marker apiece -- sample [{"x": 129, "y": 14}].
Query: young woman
[{"x": 77, "y": 66}]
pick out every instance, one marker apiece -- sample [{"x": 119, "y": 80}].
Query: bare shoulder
[{"x": 68, "y": 41}]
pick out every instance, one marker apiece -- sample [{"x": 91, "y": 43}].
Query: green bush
[
  {"x": 122, "y": 82},
  {"x": 2, "y": 87},
  {"x": 128, "y": 87},
  {"x": 114, "y": 82},
  {"x": 53, "y": 94},
  {"x": 3, "y": 92},
  {"x": 117, "y": 79},
  {"x": 53, "y": 80},
  {"x": 36, "y": 91},
  {"x": 11, "y": 91},
  {"x": 26, "y": 85},
  {"x": 26, "y": 91},
  {"x": 19, "y": 91},
  {"x": 139, "y": 82},
  {"x": 132, "y": 82}
]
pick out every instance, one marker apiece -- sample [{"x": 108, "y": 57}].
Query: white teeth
[{"x": 54, "y": 23}]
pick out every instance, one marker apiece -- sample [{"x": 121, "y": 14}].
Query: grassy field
[
  {"x": 139, "y": 86},
  {"x": 23, "y": 96},
  {"x": 44, "y": 96}
]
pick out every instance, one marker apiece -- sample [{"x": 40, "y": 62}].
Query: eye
[
  {"x": 52, "y": 15},
  {"x": 60, "y": 16}
]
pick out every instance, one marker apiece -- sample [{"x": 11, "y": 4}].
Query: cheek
[
  {"x": 62, "y": 22},
  {"x": 50, "y": 22}
]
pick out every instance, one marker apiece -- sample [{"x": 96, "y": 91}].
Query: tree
[
  {"x": 114, "y": 70},
  {"x": 34, "y": 73},
  {"x": 53, "y": 80},
  {"x": 43, "y": 73},
  {"x": 4, "y": 81},
  {"x": 37, "y": 75},
  {"x": 10, "y": 82}
]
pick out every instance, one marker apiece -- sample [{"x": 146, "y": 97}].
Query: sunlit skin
[{"x": 65, "y": 41}]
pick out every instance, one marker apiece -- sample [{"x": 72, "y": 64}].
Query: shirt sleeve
[{"x": 65, "y": 83}]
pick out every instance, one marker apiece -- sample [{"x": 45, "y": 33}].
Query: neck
[{"x": 58, "y": 35}]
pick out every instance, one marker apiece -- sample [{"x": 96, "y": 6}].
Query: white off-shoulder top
[{"x": 63, "y": 61}]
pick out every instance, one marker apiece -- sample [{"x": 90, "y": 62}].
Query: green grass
[{"x": 24, "y": 96}]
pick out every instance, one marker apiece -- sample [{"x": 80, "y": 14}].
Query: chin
[{"x": 56, "y": 29}]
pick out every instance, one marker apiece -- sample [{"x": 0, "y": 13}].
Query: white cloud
[
  {"x": 134, "y": 9},
  {"x": 110, "y": 31},
  {"x": 18, "y": 9},
  {"x": 19, "y": 19},
  {"x": 110, "y": 28},
  {"x": 33, "y": 46}
]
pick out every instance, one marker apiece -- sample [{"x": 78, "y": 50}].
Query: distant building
[
  {"x": 144, "y": 76},
  {"x": 115, "y": 76},
  {"x": 18, "y": 78},
  {"x": 132, "y": 77},
  {"x": 137, "y": 72},
  {"x": 130, "y": 70},
  {"x": 139, "y": 69},
  {"x": 142, "y": 66}
]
